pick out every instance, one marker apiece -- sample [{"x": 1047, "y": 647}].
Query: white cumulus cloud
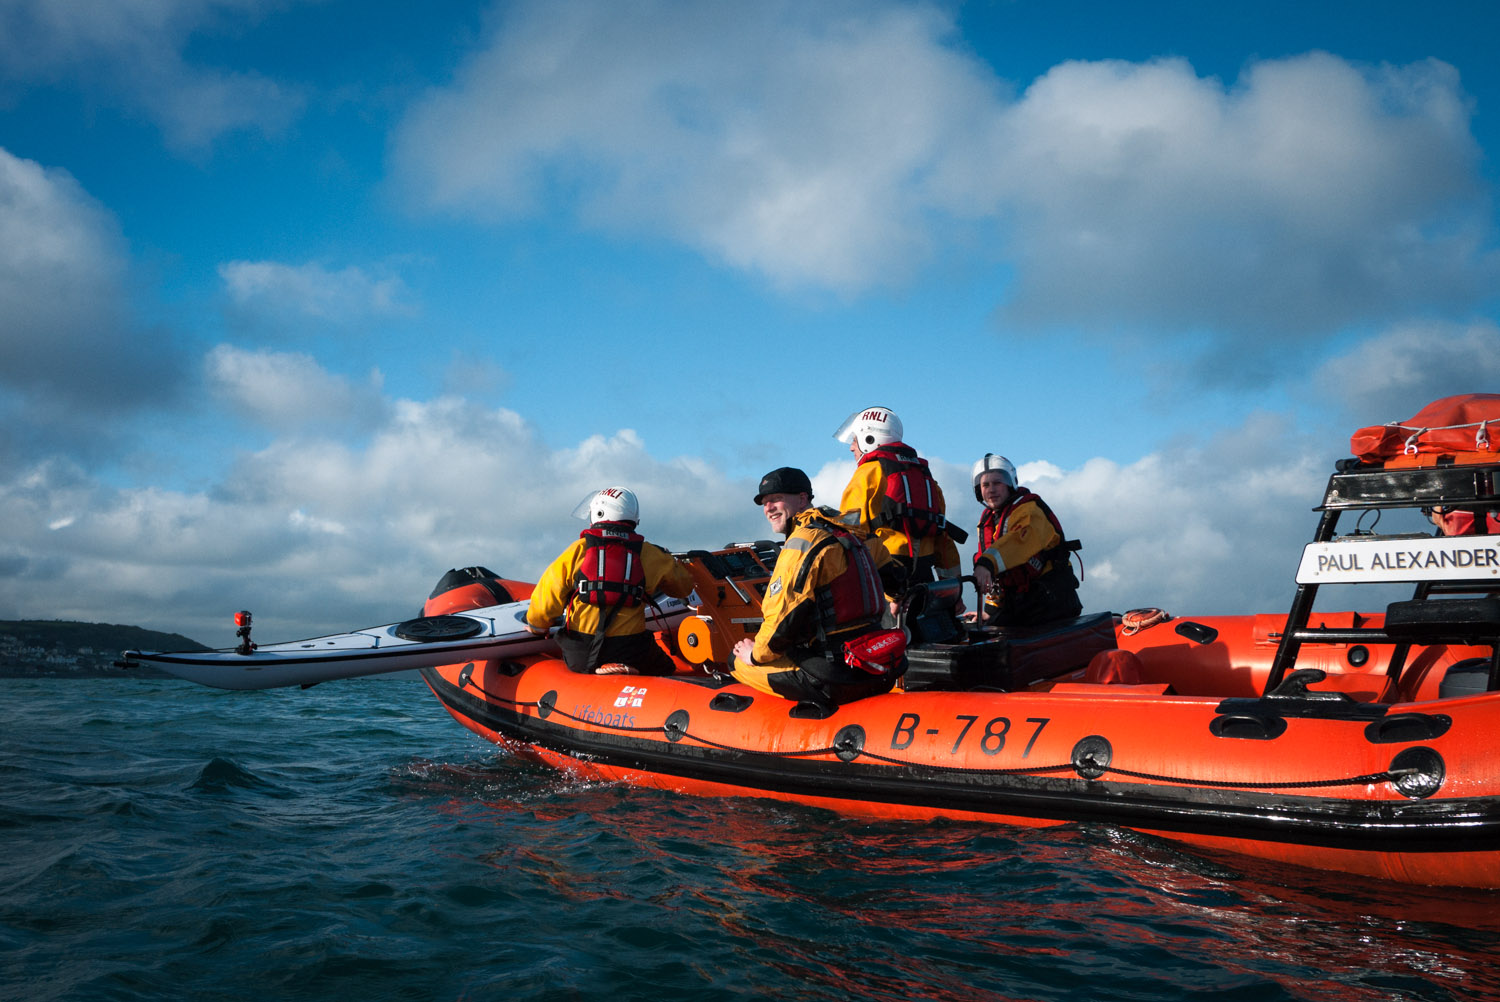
[
  {"x": 132, "y": 52},
  {"x": 288, "y": 391},
  {"x": 778, "y": 137},
  {"x": 1391, "y": 376},
  {"x": 62, "y": 266},
  {"x": 316, "y": 536},
  {"x": 70, "y": 348},
  {"x": 285, "y": 292},
  {"x": 1309, "y": 194},
  {"x": 837, "y": 145}
]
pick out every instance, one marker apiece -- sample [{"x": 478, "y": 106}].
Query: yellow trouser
[
  {"x": 757, "y": 676},
  {"x": 786, "y": 679}
]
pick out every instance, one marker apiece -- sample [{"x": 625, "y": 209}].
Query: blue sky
[{"x": 303, "y": 303}]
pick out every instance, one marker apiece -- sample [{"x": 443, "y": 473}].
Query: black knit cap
[{"x": 785, "y": 480}]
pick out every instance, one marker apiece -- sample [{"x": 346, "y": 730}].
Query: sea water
[{"x": 351, "y": 841}]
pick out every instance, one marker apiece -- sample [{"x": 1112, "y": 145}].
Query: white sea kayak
[{"x": 496, "y": 631}]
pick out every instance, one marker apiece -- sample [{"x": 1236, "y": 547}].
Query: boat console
[
  {"x": 945, "y": 653},
  {"x": 1456, "y": 597},
  {"x": 1010, "y": 659}
]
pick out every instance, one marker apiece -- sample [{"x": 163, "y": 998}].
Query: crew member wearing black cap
[{"x": 827, "y": 588}]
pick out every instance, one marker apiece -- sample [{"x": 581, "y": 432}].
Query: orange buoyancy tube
[
  {"x": 466, "y": 588},
  {"x": 1336, "y": 790}
]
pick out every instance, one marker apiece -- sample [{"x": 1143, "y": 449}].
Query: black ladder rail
[{"x": 1302, "y": 603}]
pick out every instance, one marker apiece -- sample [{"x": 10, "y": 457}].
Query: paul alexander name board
[{"x": 1355, "y": 559}]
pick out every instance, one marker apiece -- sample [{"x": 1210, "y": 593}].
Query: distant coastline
[{"x": 55, "y": 648}]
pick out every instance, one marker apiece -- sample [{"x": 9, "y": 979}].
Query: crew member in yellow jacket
[
  {"x": 1023, "y": 561},
  {"x": 826, "y": 589},
  {"x": 604, "y": 581},
  {"x": 893, "y": 495}
]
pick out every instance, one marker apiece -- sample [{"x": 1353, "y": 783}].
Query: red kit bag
[{"x": 878, "y": 652}]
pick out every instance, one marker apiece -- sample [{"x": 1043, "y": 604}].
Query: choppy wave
[{"x": 351, "y": 841}]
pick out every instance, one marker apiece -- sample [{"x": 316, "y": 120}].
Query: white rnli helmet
[
  {"x": 613, "y": 504},
  {"x": 870, "y": 427},
  {"x": 992, "y": 463}
]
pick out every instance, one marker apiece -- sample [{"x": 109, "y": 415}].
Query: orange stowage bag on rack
[{"x": 1469, "y": 422}]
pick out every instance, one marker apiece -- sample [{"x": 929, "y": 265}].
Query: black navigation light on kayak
[{"x": 242, "y": 620}]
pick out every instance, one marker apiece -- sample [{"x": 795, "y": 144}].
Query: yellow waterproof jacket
[
  {"x": 865, "y": 495},
  {"x": 556, "y": 590},
  {"x": 1019, "y": 535},
  {"x": 790, "y": 606}
]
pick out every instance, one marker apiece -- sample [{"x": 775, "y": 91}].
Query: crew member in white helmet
[
  {"x": 1022, "y": 563},
  {"x": 604, "y": 581},
  {"x": 893, "y": 495}
]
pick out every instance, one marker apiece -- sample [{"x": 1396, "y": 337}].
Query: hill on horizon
[{"x": 104, "y": 637}]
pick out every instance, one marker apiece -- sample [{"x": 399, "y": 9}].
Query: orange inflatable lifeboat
[{"x": 1350, "y": 741}]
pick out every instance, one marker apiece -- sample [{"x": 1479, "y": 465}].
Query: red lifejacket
[
  {"x": 994, "y": 523},
  {"x": 855, "y": 598},
  {"x": 1463, "y": 523},
  {"x": 611, "y": 573},
  {"x": 911, "y": 497}
]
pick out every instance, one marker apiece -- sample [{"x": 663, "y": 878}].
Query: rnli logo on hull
[
  {"x": 631, "y": 695},
  {"x": 1355, "y": 560}
]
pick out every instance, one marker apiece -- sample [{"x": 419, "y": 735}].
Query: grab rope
[
  {"x": 1017, "y": 771},
  {"x": 1084, "y": 761},
  {"x": 1389, "y": 775},
  {"x": 1481, "y": 434},
  {"x": 1136, "y": 620},
  {"x": 471, "y": 684}
]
